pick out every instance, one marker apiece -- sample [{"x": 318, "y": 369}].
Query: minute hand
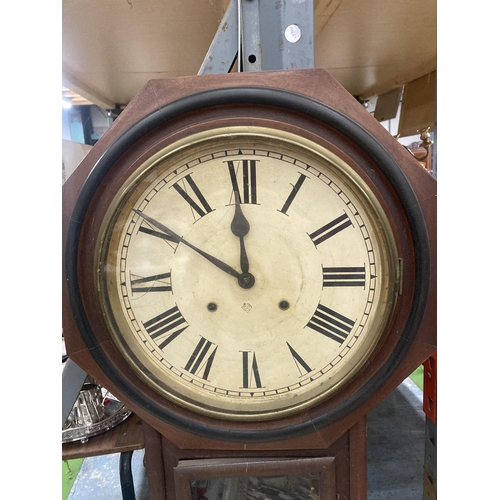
[{"x": 178, "y": 239}]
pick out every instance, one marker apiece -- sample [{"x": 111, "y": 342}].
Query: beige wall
[{"x": 72, "y": 155}]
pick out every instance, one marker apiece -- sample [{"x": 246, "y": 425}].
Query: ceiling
[{"x": 111, "y": 49}]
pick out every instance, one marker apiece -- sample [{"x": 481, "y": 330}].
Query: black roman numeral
[
  {"x": 302, "y": 366},
  {"x": 251, "y": 377},
  {"x": 155, "y": 283},
  {"x": 330, "y": 229},
  {"x": 157, "y": 234},
  {"x": 344, "y": 276},
  {"x": 202, "y": 358},
  {"x": 249, "y": 173},
  {"x": 293, "y": 193},
  {"x": 333, "y": 325},
  {"x": 170, "y": 323},
  {"x": 202, "y": 210}
]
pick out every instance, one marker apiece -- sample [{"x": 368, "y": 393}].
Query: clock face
[{"x": 246, "y": 273}]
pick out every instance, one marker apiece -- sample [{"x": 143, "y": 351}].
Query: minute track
[{"x": 293, "y": 197}]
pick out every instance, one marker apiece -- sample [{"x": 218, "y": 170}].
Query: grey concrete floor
[{"x": 396, "y": 444}]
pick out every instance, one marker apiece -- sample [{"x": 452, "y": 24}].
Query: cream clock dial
[{"x": 246, "y": 273}]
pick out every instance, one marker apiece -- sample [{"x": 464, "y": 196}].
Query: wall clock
[
  {"x": 249, "y": 261},
  {"x": 245, "y": 272}
]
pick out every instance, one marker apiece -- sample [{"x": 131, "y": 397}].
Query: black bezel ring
[{"x": 290, "y": 101}]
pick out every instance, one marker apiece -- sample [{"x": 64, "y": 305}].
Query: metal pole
[{"x": 261, "y": 35}]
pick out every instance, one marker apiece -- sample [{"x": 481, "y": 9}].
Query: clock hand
[
  {"x": 240, "y": 228},
  {"x": 178, "y": 239}
]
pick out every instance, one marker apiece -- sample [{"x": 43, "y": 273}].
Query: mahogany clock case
[{"x": 308, "y": 103}]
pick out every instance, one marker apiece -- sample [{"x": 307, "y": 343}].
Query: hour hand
[{"x": 240, "y": 228}]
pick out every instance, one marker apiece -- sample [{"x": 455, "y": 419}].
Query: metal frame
[{"x": 259, "y": 35}]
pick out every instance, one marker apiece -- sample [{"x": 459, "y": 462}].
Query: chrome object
[{"x": 95, "y": 411}]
